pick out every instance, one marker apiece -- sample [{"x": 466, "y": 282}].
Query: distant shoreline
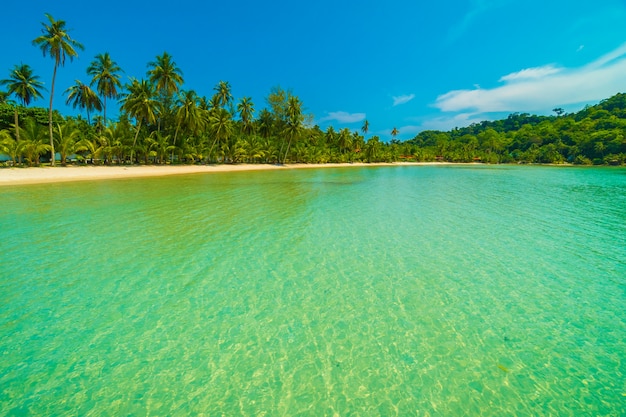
[{"x": 43, "y": 175}]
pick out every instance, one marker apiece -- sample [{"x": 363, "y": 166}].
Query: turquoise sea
[{"x": 357, "y": 291}]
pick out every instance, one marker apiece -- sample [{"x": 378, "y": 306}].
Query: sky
[{"x": 413, "y": 65}]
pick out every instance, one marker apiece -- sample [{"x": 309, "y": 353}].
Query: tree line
[{"x": 160, "y": 122}]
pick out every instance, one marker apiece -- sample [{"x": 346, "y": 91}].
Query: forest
[{"x": 159, "y": 122}]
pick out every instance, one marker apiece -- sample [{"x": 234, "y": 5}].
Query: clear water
[{"x": 387, "y": 291}]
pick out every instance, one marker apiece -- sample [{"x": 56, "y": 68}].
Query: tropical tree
[
  {"x": 67, "y": 137},
  {"x": 81, "y": 95},
  {"x": 223, "y": 96},
  {"x": 189, "y": 115},
  {"x": 106, "y": 78},
  {"x": 366, "y": 127},
  {"x": 56, "y": 42},
  {"x": 140, "y": 104},
  {"x": 221, "y": 126},
  {"x": 394, "y": 133},
  {"x": 293, "y": 127},
  {"x": 24, "y": 85},
  {"x": 34, "y": 136},
  {"x": 166, "y": 77},
  {"x": 245, "y": 107}
]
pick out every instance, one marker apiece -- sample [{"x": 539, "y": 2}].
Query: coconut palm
[
  {"x": 221, "y": 126},
  {"x": 223, "y": 96},
  {"x": 293, "y": 127},
  {"x": 34, "y": 145},
  {"x": 140, "y": 104},
  {"x": 245, "y": 107},
  {"x": 67, "y": 137},
  {"x": 81, "y": 95},
  {"x": 166, "y": 77},
  {"x": 24, "y": 85},
  {"x": 366, "y": 127},
  {"x": 189, "y": 115},
  {"x": 106, "y": 78},
  {"x": 56, "y": 42},
  {"x": 394, "y": 133}
]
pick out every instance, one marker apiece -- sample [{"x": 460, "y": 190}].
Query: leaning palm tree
[
  {"x": 24, "y": 85},
  {"x": 56, "y": 42},
  {"x": 81, "y": 95},
  {"x": 106, "y": 77},
  {"x": 139, "y": 103}
]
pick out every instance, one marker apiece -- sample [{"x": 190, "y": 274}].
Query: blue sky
[{"x": 413, "y": 65}]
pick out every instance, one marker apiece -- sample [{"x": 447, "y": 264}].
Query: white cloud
[
  {"x": 343, "y": 117},
  {"x": 542, "y": 88},
  {"x": 530, "y": 73},
  {"x": 402, "y": 99}
]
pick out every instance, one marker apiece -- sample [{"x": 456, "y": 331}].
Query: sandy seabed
[{"x": 40, "y": 175}]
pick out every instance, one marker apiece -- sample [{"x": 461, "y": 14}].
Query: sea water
[{"x": 357, "y": 291}]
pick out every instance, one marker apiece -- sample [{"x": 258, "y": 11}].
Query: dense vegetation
[{"x": 159, "y": 123}]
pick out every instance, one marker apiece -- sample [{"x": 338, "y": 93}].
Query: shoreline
[{"x": 46, "y": 175}]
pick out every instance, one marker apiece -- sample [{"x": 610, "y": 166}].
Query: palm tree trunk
[
  {"x": 52, "y": 153},
  {"x": 105, "y": 111},
  {"x": 132, "y": 150},
  {"x": 17, "y": 134}
]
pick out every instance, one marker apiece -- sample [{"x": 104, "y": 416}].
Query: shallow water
[{"x": 471, "y": 290}]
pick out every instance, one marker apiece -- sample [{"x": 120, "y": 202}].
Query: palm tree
[
  {"x": 189, "y": 115},
  {"x": 394, "y": 133},
  {"x": 56, "y": 41},
  {"x": 245, "y": 107},
  {"x": 366, "y": 127},
  {"x": 68, "y": 139},
  {"x": 293, "y": 126},
  {"x": 222, "y": 94},
  {"x": 105, "y": 73},
  {"x": 220, "y": 125},
  {"x": 81, "y": 95},
  {"x": 166, "y": 77},
  {"x": 139, "y": 103},
  {"x": 24, "y": 85},
  {"x": 34, "y": 135}
]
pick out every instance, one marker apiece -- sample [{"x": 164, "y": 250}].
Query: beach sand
[{"x": 41, "y": 175}]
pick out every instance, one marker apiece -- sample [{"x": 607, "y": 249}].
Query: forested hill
[{"x": 596, "y": 134}]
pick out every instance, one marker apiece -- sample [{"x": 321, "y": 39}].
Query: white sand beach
[{"x": 40, "y": 175}]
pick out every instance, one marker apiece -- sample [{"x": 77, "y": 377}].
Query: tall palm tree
[
  {"x": 56, "y": 42},
  {"x": 189, "y": 115},
  {"x": 166, "y": 77},
  {"x": 394, "y": 133},
  {"x": 24, "y": 85},
  {"x": 245, "y": 107},
  {"x": 293, "y": 127},
  {"x": 221, "y": 126},
  {"x": 366, "y": 127},
  {"x": 139, "y": 103},
  {"x": 106, "y": 77},
  {"x": 223, "y": 96},
  {"x": 81, "y": 95}
]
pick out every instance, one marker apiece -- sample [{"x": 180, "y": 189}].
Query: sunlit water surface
[{"x": 450, "y": 291}]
